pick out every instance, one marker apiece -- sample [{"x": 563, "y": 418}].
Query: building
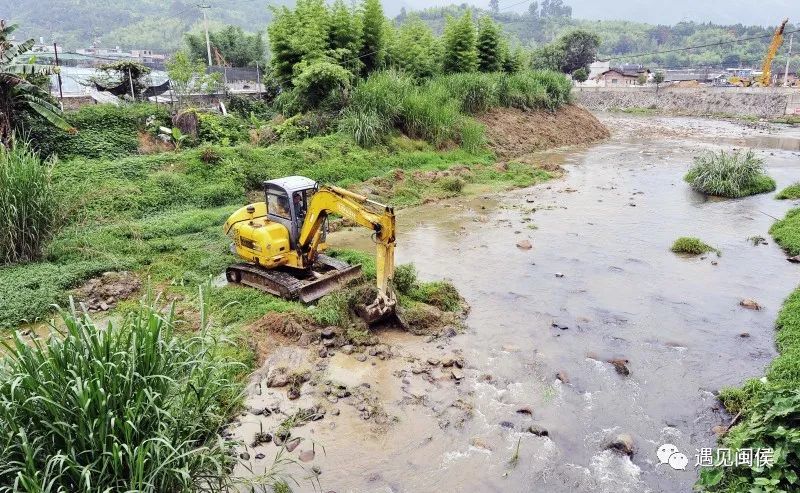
[{"x": 623, "y": 76}]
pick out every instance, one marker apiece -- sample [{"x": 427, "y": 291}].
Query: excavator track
[{"x": 328, "y": 274}]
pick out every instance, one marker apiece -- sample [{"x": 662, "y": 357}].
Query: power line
[{"x": 687, "y": 48}]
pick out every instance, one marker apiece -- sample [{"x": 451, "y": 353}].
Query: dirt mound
[
  {"x": 276, "y": 329},
  {"x": 102, "y": 293},
  {"x": 513, "y": 132}
]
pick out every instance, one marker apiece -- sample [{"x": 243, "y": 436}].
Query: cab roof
[{"x": 292, "y": 183}]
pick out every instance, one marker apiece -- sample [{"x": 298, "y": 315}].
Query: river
[{"x": 599, "y": 283}]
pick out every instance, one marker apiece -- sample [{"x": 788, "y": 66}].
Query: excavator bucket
[{"x": 328, "y": 282}]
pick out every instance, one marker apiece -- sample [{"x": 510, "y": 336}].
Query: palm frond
[
  {"x": 31, "y": 69},
  {"x": 49, "y": 112}
]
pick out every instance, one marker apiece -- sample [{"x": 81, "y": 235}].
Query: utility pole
[
  {"x": 788, "y": 57},
  {"x": 58, "y": 76},
  {"x": 204, "y": 7}
]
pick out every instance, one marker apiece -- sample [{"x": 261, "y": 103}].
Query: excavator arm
[
  {"x": 356, "y": 208},
  {"x": 774, "y": 46}
]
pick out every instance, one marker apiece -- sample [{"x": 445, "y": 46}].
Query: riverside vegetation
[{"x": 114, "y": 196}]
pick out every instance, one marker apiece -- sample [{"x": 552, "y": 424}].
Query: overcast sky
[{"x": 763, "y": 12}]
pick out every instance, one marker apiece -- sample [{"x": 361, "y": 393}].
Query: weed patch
[
  {"x": 792, "y": 192},
  {"x": 733, "y": 175},
  {"x": 692, "y": 246},
  {"x": 787, "y": 232}
]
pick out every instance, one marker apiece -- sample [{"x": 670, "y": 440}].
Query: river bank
[{"x": 599, "y": 284}]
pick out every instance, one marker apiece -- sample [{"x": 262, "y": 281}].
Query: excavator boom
[{"x": 774, "y": 46}]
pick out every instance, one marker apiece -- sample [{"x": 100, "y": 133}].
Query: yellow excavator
[
  {"x": 281, "y": 241},
  {"x": 765, "y": 79}
]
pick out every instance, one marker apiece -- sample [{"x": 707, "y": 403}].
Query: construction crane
[{"x": 774, "y": 46}]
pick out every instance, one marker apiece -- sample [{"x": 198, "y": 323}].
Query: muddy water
[{"x": 600, "y": 266}]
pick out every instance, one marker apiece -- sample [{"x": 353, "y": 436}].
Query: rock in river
[
  {"x": 524, "y": 245},
  {"x": 750, "y": 304},
  {"x": 621, "y": 365},
  {"x": 623, "y": 444}
]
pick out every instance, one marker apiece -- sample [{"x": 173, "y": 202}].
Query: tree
[
  {"x": 641, "y": 79},
  {"x": 548, "y": 57},
  {"x": 128, "y": 76},
  {"x": 555, "y": 9},
  {"x": 460, "y": 53},
  {"x": 658, "y": 78},
  {"x": 189, "y": 76},
  {"x": 533, "y": 9},
  {"x": 321, "y": 83},
  {"x": 297, "y": 35},
  {"x": 413, "y": 49},
  {"x": 373, "y": 42},
  {"x": 488, "y": 46},
  {"x": 230, "y": 46},
  {"x": 344, "y": 36},
  {"x": 19, "y": 97},
  {"x": 579, "y": 49},
  {"x": 580, "y": 75},
  {"x": 494, "y": 7}
]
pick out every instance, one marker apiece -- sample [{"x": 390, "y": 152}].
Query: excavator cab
[{"x": 287, "y": 202}]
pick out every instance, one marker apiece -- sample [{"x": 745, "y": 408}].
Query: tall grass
[
  {"x": 129, "y": 407},
  {"x": 28, "y": 206},
  {"x": 735, "y": 174},
  {"x": 438, "y": 110}
]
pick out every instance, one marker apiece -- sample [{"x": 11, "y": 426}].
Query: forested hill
[
  {"x": 153, "y": 24},
  {"x": 161, "y": 24},
  {"x": 543, "y": 23}
]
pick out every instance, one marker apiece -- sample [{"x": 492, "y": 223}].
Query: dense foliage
[
  {"x": 460, "y": 52},
  {"x": 20, "y": 95},
  {"x": 101, "y": 131},
  {"x": 736, "y": 174},
  {"x": 571, "y": 52},
  {"x": 229, "y": 46},
  {"x": 28, "y": 209},
  {"x": 127, "y": 407},
  {"x": 437, "y": 110}
]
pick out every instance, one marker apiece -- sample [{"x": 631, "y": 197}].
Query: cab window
[{"x": 278, "y": 203}]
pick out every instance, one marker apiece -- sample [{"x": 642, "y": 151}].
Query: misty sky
[{"x": 763, "y": 12}]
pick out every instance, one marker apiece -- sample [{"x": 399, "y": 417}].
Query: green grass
[
  {"x": 769, "y": 407},
  {"x": 692, "y": 246},
  {"x": 792, "y": 192},
  {"x": 127, "y": 407},
  {"x": 438, "y": 110},
  {"x": 732, "y": 175},
  {"x": 28, "y": 209},
  {"x": 787, "y": 232}
]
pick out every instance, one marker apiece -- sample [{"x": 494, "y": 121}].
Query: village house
[{"x": 626, "y": 75}]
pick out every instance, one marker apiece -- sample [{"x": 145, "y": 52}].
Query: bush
[
  {"x": 733, "y": 175},
  {"x": 103, "y": 130},
  {"x": 123, "y": 408},
  {"x": 452, "y": 184},
  {"x": 436, "y": 110},
  {"x": 223, "y": 130},
  {"x": 692, "y": 246},
  {"x": 792, "y": 192},
  {"x": 28, "y": 207},
  {"x": 441, "y": 294}
]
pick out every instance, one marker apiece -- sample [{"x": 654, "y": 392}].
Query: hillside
[{"x": 161, "y": 26}]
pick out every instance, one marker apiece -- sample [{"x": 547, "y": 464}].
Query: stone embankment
[{"x": 697, "y": 101}]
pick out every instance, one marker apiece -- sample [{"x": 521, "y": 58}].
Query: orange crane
[{"x": 777, "y": 41}]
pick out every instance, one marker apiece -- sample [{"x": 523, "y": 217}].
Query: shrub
[
  {"x": 224, "y": 130},
  {"x": 452, "y": 184},
  {"x": 103, "y": 130},
  {"x": 692, "y": 246},
  {"x": 475, "y": 92},
  {"x": 441, "y": 294},
  {"x": 128, "y": 407},
  {"x": 792, "y": 192},
  {"x": 28, "y": 207},
  {"x": 366, "y": 127},
  {"x": 405, "y": 278},
  {"x": 736, "y": 174}
]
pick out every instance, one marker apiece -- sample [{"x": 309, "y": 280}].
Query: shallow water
[{"x": 607, "y": 227}]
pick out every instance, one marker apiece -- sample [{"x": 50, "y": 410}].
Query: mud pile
[{"x": 513, "y": 132}]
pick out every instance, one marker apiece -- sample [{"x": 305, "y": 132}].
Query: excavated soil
[{"x": 513, "y": 132}]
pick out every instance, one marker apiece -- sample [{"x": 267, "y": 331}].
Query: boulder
[{"x": 623, "y": 444}]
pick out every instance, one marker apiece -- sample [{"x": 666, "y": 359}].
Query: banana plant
[{"x": 18, "y": 96}]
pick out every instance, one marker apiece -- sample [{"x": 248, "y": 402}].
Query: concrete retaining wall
[{"x": 763, "y": 102}]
